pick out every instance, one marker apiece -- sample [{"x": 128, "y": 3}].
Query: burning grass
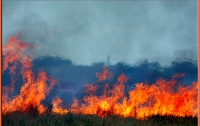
[{"x": 167, "y": 98}]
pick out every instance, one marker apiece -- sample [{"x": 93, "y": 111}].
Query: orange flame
[
  {"x": 57, "y": 108},
  {"x": 165, "y": 97},
  {"x": 144, "y": 101},
  {"x": 106, "y": 74},
  {"x": 33, "y": 91}
]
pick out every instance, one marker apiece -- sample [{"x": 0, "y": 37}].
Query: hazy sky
[{"x": 87, "y": 32}]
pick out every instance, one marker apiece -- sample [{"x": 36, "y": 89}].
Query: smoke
[
  {"x": 72, "y": 78},
  {"x": 86, "y": 32}
]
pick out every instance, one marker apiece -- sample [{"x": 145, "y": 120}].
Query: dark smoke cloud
[{"x": 72, "y": 78}]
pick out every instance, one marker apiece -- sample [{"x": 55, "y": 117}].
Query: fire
[
  {"x": 106, "y": 74},
  {"x": 165, "y": 97},
  {"x": 33, "y": 91},
  {"x": 57, "y": 108}
]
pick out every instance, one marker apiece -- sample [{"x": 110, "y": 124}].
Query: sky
[{"x": 87, "y": 32}]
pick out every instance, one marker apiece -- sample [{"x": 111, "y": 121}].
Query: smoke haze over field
[{"x": 87, "y": 32}]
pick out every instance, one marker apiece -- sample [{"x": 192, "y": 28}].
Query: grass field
[{"x": 25, "y": 119}]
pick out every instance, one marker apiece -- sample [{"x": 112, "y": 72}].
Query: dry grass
[{"x": 25, "y": 119}]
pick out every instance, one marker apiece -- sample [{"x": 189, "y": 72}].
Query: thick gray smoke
[{"x": 87, "y": 31}]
